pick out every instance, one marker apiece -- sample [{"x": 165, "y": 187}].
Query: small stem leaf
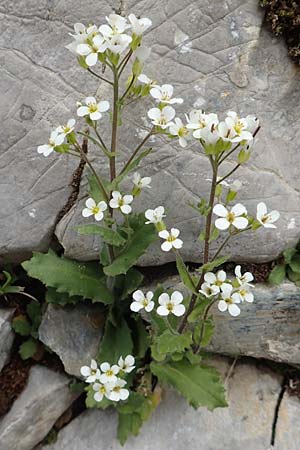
[
  {"x": 143, "y": 235},
  {"x": 28, "y": 348},
  {"x": 215, "y": 233},
  {"x": 94, "y": 189},
  {"x": 208, "y": 267},
  {"x": 184, "y": 273},
  {"x": 277, "y": 274},
  {"x": 116, "y": 342},
  {"x": 68, "y": 276},
  {"x": 133, "y": 279},
  {"x": 199, "y": 384},
  {"x": 108, "y": 235}
]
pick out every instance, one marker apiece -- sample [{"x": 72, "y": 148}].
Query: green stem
[
  {"x": 205, "y": 315},
  {"x": 228, "y": 175},
  {"x": 138, "y": 148},
  {"x": 128, "y": 88},
  {"x": 123, "y": 63},
  {"x": 99, "y": 76},
  {"x": 104, "y": 150},
  {"x": 113, "y": 144}
]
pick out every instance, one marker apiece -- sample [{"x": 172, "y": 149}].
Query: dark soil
[{"x": 283, "y": 17}]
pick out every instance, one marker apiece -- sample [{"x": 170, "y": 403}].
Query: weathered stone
[
  {"x": 6, "y": 335},
  {"x": 246, "y": 423},
  {"x": 287, "y": 434},
  {"x": 219, "y": 57},
  {"x": 33, "y": 414},
  {"x": 73, "y": 334}
]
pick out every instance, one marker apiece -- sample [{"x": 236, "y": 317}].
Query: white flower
[
  {"x": 121, "y": 201},
  {"x": 93, "y": 209},
  {"x": 142, "y": 301},
  {"x": 178, "y": 129},
  {"x": 119, "y": 43},
  {"x": 245, "y": 279},
  {"x": 101, "y": 391},
  {"x": 91, "y": 373},
  {"x": 235, "y": 129},
  {"x": 126, "y": 365},
  {"x": 162, "y": 118},
  {"x": 109, "y": 373},
  {"x": 55, "y": 140},
  {"x": 67, "y": 128},
  {"x": 118, "y": 392},
  {"x": 140, "y": 182},
  {"x": 233, "y": 186},
  {"x": 252, "y": 123},
  {"x": 209, "y": 290},
  {"x": 265, "y": 218},
  {"x": 198, "y": 121},
  {"x": 171, "y": 305},
  {"x": 155, "y": 215},
  {"x": 244, "y": 294},
  {"x": 142, "y": 53},
  {"x": 92, "y": 108},
  {"x": 91, "y": 50},
  {"x": 139, "y": 26},
  {"x": 229, "y": 301},
  {"x": 217, "y": 280},
  {"x": 80, "y": 31},
  {"x": 171, "y": 239},
  {"x": 146, "y": 80},
  {"x": 116, "y": 25},
  {"x": 232, "y": 217},
  {"x": 163, "y": 94}
]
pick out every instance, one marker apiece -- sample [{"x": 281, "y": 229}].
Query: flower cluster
[
  {"x": 94, "y": 43},
  {"x": 167, "y": 304},
  {"x": 57, "y": 138},
  {"x": 171, "y": 239},
  {"x": 107, "y": 380},
  {"x": 229, "y": 292}
]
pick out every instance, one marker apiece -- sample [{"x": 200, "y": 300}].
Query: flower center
[
  {"x": 109, "y": 373},
  {"x": 265, "y": 218},
  {"x": 162, "y": 121},
  {"x": 243, "y": 292},
  {"x": 145, "y": 302},
  {"x": 102, "y": 389},
  {"x": 218, "y": 283},
  {"x": 171, "y": 238},
  {"x": 51, "y": 143},
  {"x": 93, "y": 372},
  {"x": 93, "y": 107},
  {"x": 238, "y": 127},
  {"x": 170, "y": 306},
  {"x": 228, "y": 300},
  {"x": 95, "y": 209},
  {"x": 121, "y": 202},
  {"x": 117, "y": 388},
  {"x": 182, "y": 132},
  {"x": 230, "y": 217},
  {"x": 165, "y": 96}
]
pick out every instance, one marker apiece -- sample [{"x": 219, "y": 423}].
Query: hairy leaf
[
  {"x": 200, "y": 385},
  {"x": 128, "y": 424},
  {"x": 61, "y": 298},
  {"x": 184, "y": 274},
  {"x": 133, "y": 280},
  {"x": 143, "y": 235},
  {"x": 116, "y": 342},
  {"x": 21, "y": 325},
  {"x": 108, "y": 235},
  {"x": 213, "y": 264},
  {"x": 66, "y": 275},
  {"x": 288, "y": 254},
  {"x": 295, "y": 263},
  {"x": 277, "y": 274},
  {"x": 171, "y": 343},
  {"x": 28, "y": 348}
]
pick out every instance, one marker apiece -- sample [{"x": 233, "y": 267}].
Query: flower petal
[{"x": 222, "y": 224}]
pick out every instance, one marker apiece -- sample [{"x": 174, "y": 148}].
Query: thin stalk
[
  {"x": 99, "y": 76},
  {"x": 221, "y": 247},
  {"x": 114, "y": 131},
  {"x": 123, "y": 63},
  {"x": 205, "y": 315},
  {"x": 106, "y": 152},
  {"x": 138, "y": 148},
  {"x": 100, "y": 138},
  {"x": 228, "y": 175},
  {"x": 128, "y": 88}
]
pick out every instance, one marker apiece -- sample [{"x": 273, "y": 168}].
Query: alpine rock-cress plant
[{"x": 151, "y": 337}]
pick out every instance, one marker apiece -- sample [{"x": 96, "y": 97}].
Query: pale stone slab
[{"x": 6, "y": 335}]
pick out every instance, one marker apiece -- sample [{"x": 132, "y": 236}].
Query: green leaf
[
  {"x": 94, "y": 189},
  {"x": 65, "y": 275},
  {"x": 214, "y": 234},
  {"x": 128, "y": 424},
  {"x": 184, "y": 273},
  {"x": 213, "y": 264},
  {"x": 201, "y": 303},
  {"x": 28, "y": 348},
  {"x": 61, "y": 298},
  {"x": 293, "y": 276},
  {"x": 143, "y": 235},
  {"x": 133, "y": 280},
  {"x": 277, "y": 274},
  {"x": 21, "y": 325},
  {"x": 133, "y": 165},
  {"x": 116, "y": 342},
  {"x": 288, "y": 254},
  {"x": 34, "y": 312},
  {"x": 200, "y": 385},
  {"x": 108, "y": 235},
  {"x": 141, "y": 338},
  {"x": 295, "y": 263},
  {"x": 173, "y": 343},
  {"x": 243, "y": 156},
  {"x": 231, "y": 196},
  {"x": 208, "y": 332}
]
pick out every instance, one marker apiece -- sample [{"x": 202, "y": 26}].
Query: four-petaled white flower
[
  {"x": 178, "y": 129},
  {"x": 218, "y": 279},
  {"x": 209, "y": 290},
  {"x": 156, "y": 215},
  {"x": 237, "y": 127},
  {"x": 121, "y": 201},
  {"x": 91, "y": 373},
  {"x": 146, "y": 80},
  {"x": 163, "y": 94},
  {"x": 139, "y": 26},
  {"x": 140, "y": 182},
  {"x": 202, "y": 123},
  {"x": 119, "y": 43},
  {"x": 142, "y": 301},
  {"x": 245, "y": 294},
  {"x": 245, "y": 279},
  {"x": 162, "y": 118},
  {"x": 101, "y": 391},
  {"x": 232, "y": 217},
  {"x": 94, "y": 209},
  {"x": 171, "y": 239},
  {"x": 116, "y": 25},
  {"x": 118, "y": 392},
  {"x": 266, "y": 219},
  {"x": 171, "y": 304},
  {"x": 67, "y": 128},
  {"x": 55, "y": 140},
  {"x": 229, "y": 301},
  {"x": 126, "y": 365},
  {"x": 92, "y": 108},
  {"x": 109, "y": 373},
  {"x": 90, "y": 50}
]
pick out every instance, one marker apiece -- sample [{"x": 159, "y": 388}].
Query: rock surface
[
  {"x": 33, "y": 414},
  {"x": 6, "y": 335},
  {"x": 218, "y": 57},
  {"x": 247, "y": 423},
  {"x": 73, "y": 334},
  {"x": 287, "y": 427}
]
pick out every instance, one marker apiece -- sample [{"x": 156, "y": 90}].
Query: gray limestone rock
[
  {"x": 73, "y": 334},
  {"x": 33, "y": 414},
  {"x": 6, "y": 335},
  {"x": 287, "y": 428}
]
